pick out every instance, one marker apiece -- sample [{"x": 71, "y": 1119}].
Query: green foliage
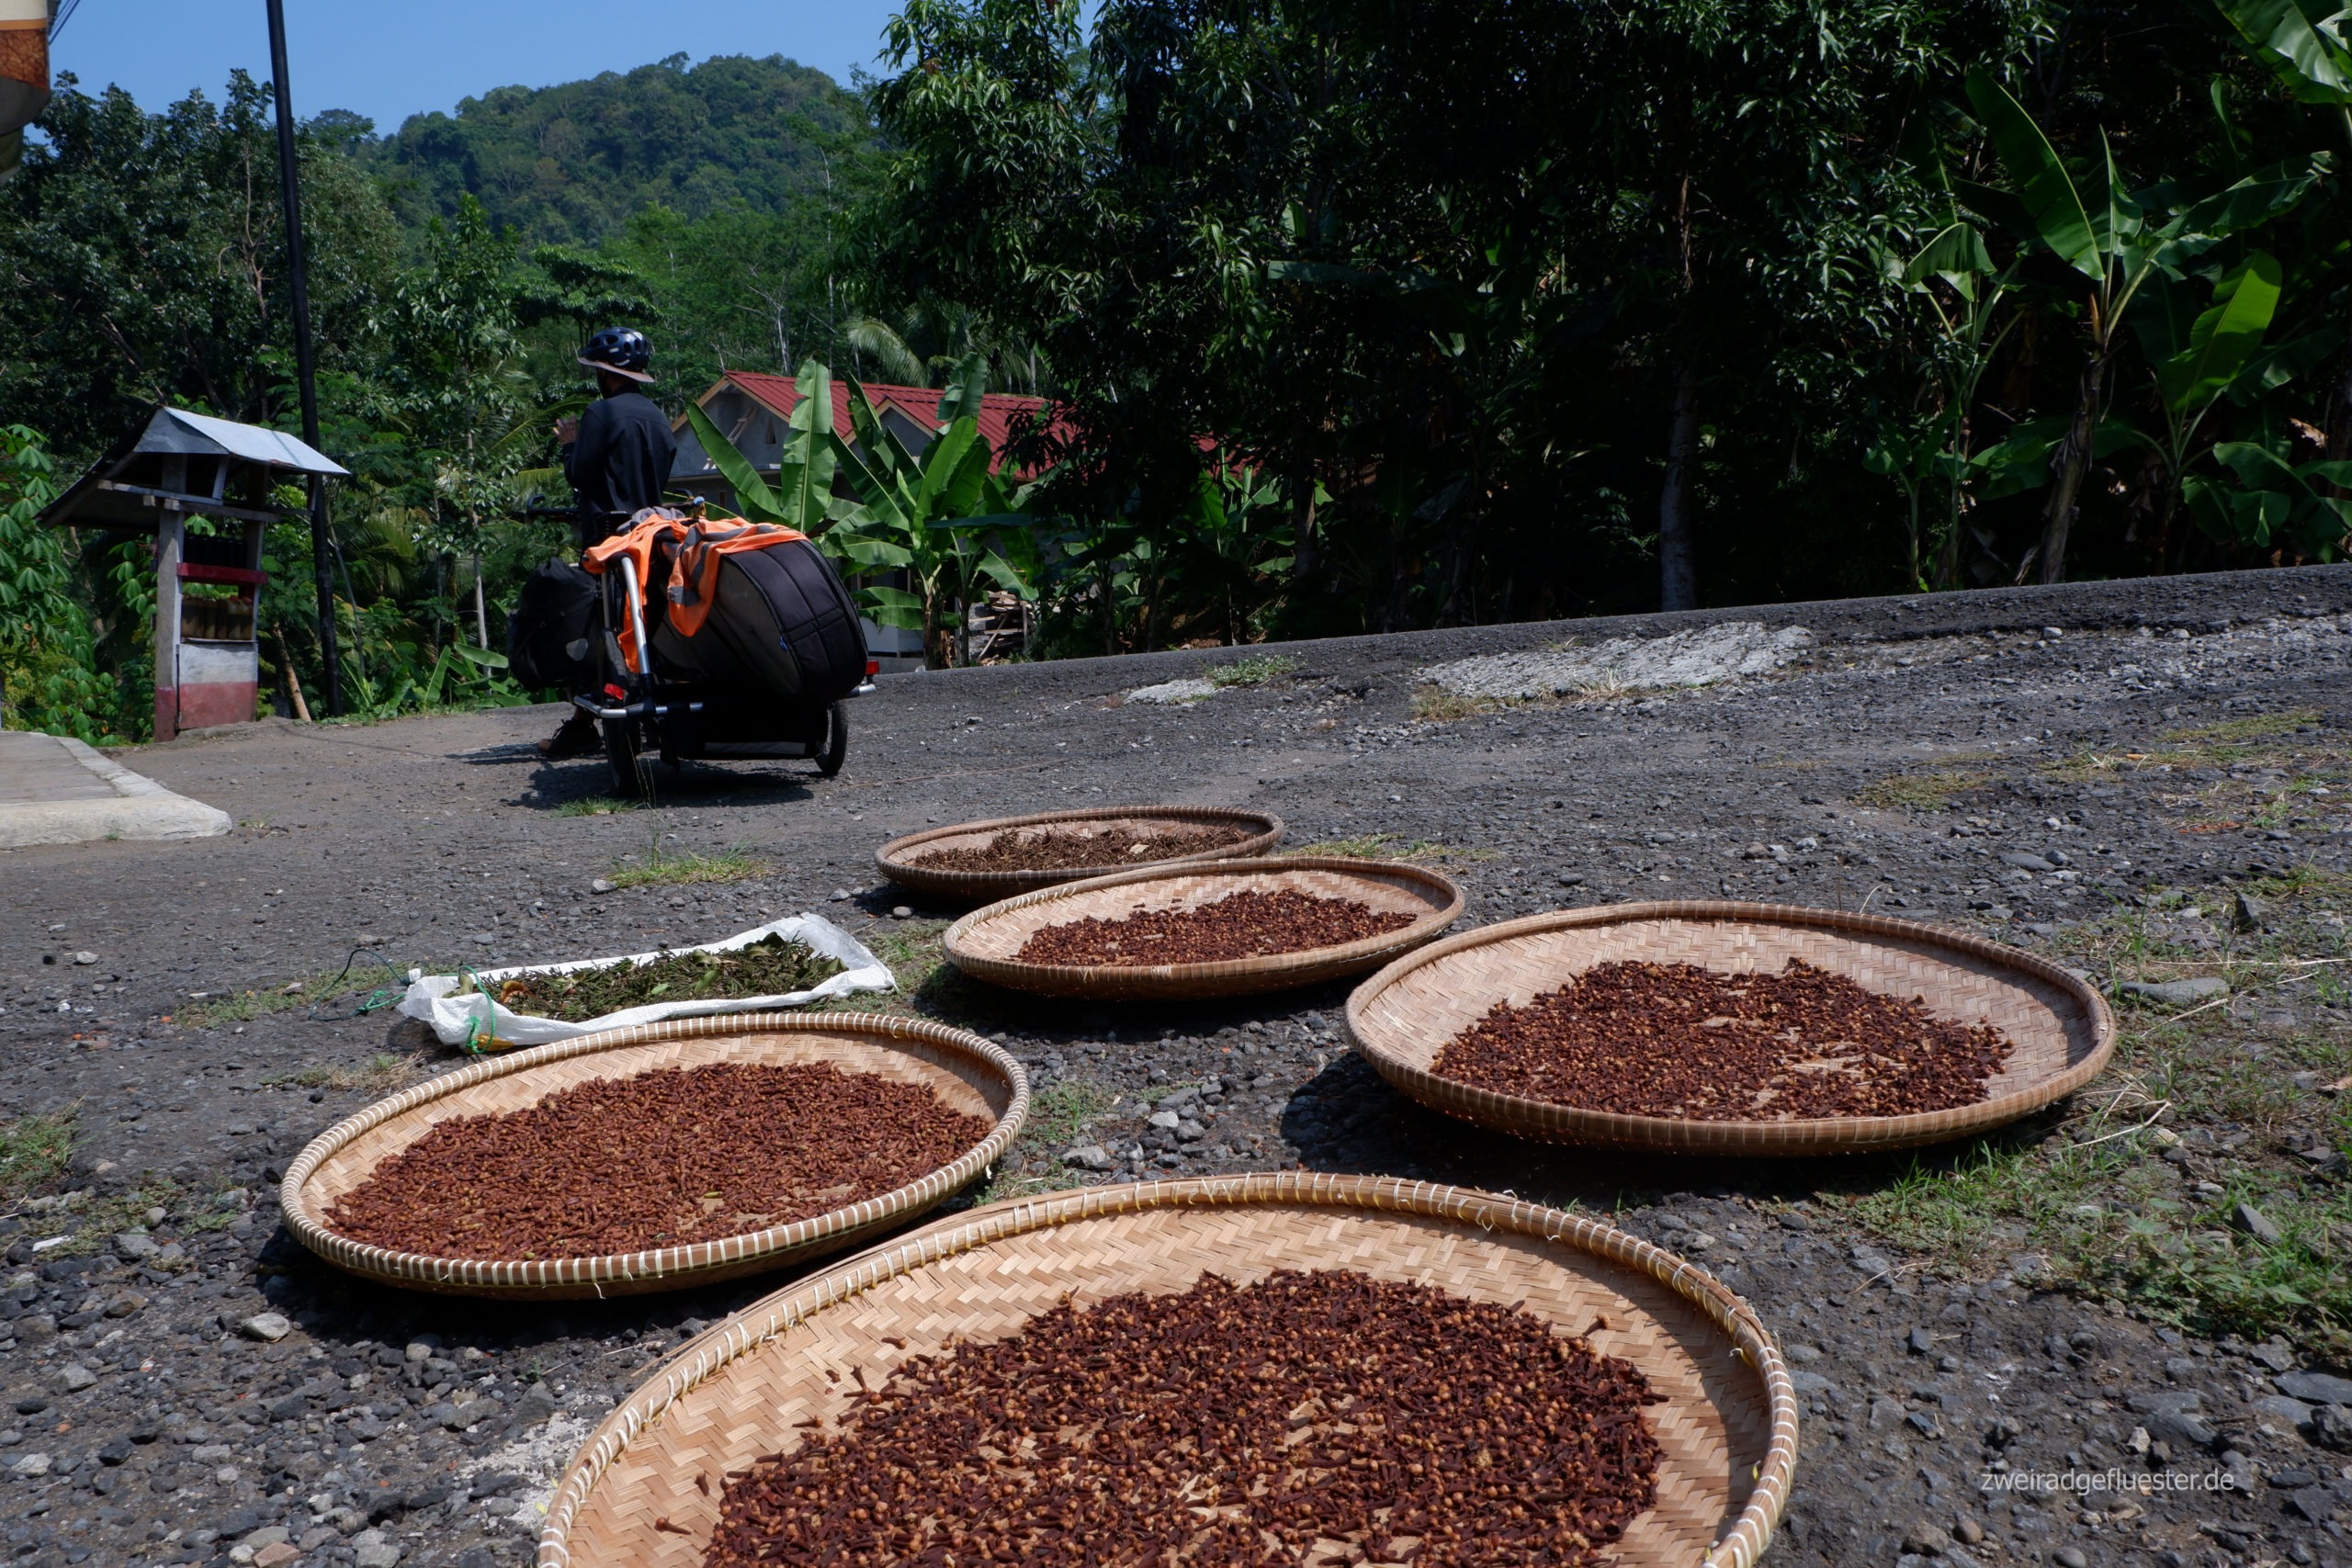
[
  {"x": 47, "y": 678},
  {"x": 140, "y": 262}
]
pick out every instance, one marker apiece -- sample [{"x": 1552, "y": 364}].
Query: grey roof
[{"x": 200, "y": 434}]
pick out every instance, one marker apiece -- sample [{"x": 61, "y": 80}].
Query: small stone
[
  {"x": 1191, "y": 1132},
  {"x": 1089, "y": 1156},
  {"x": 601, "y": 885},
  {"x": 2314, "y": 1503},
  {"x": 2069, "y": 1557},
  {"x": 902, "y": 912},
  {"x": 537, "y": 1405},
  {"x": 30, "y": 1466},
  {"x": 136, "y": 1245},
  {"x": 1967, "y": 1530},
  {"x": 2023, "y": 860},
  {"x": 2252, "y": 914},
  {"x": 2315, "y": 1388},
  {"x": 2177, "y": 993},
  {"x": 86, "y": 957},
  {"x": 1166, "y": 1120},
  {"x": 74, "y": 1377},
  {"x": 269, "y": 1535},
  {"x": 1926, "y": 1538},
  {"x": 419, "y": 1351},
  {"x": 274, "y": 1553},
  {"x": 267, "y": 1327},
  {"x": 2274, "y": 1353},
  {"x": 1803, "y": 1355},
  {"x": 1884, "y": 1413},
  {"x": 1920, "y": 1341},
  {"x": 2256, "y": 1224},
  {"x": 2293, "y": 1412},
  {"x": 124, "y": 1305},
  {"x": 373, "y": 1549},
  {"x": 841, "y": 896}
]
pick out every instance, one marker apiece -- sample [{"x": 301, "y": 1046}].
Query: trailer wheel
[
  {"x": 632, "y": 778},
  {"x": 836, "y": 749}
]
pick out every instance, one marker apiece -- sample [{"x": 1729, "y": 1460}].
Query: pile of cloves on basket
[
  {"x": 1240, "y": 925},
  {"x": 667, "y": 1158},
  {"x": 1677, "y": 1040},
  {"x": 1311, "y": 1418}
]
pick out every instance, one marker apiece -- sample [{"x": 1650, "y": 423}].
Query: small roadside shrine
[{"x": 178, "y": 469}]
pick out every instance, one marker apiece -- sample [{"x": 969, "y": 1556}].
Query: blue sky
[{"x": 389, "y": 61}]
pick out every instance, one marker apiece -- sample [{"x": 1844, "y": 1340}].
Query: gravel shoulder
[{"x": 2151, "y": 782}]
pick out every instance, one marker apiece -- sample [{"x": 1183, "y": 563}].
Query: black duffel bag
[
  {"x": 551, "y": 632},
  {"x": 781, "y": 621}
]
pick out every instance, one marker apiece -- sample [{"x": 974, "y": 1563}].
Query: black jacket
[{"x": 620, "y": 463}]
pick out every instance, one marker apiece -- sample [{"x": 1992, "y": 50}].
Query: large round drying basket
[
  {"x": 985, "y": 943},
  {"x": 1402, "y": 1019},
  {"x": 645, "y": 1491},
  {"x": 967, "y": 1074},
  {"x": 900, "y": 860}
]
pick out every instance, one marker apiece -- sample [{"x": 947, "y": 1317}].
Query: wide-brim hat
[{"x": 640, "y": 375}]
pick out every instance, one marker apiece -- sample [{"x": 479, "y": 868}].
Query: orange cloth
[{"x": 694, "y": 549}]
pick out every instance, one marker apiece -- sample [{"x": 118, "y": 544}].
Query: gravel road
[{"x": 183, "y": 1385}]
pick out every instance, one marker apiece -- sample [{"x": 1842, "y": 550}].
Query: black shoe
[{"x": 578, "y": 737}]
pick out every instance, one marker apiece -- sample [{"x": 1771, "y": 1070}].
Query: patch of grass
[
  {"x": 1059, "y": 1116},
  {"x": 2256, "y": 726},
  {"x": 216, "y": 1009},
  {"x": 380, "y": 1074},
  {"x": 1435, "y": 705},
  {"x": 598, "y": 805},
  {"x": 1390, "y": 846},
  {"x": 661, "y": 867},
  {"x": 1919, "y": 791},
  {"x": 1252, "y": 672},
  {"x": 33, "y": 1151},
  {"x": 2089, "y": 1187},
  {"x": 928, "y": 984}
]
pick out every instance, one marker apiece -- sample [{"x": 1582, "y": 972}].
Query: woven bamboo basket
[
  {"x": 970, "y": 1075},
  {"x": 634, "y": 1492},
  {"x": 983, "y": 942},
  {"x": 1402, "y": 1017},
  {"x": 898, "y": 858}
]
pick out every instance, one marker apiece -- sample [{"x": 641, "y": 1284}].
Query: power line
[{"x": 64, "y": 9}]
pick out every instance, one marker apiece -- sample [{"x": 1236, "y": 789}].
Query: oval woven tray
[
  {"x": 745, "y": 1388},
  {"x": 897, "y": 858},
  {"x": 983, "y": 942},
  {"x": 1403, "y": 1017},
  {"x": 966, "y": 1072}
]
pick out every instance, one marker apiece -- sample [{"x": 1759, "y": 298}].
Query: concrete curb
[{"x": 140, "y": 808}]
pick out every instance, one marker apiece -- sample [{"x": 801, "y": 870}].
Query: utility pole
[{"x": 290, "y": 176}]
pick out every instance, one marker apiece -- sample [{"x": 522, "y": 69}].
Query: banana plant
[
  {"x": 802, "y": 497},
  {"x": 2114, "y": 240},
  {"x": 943, "y": 518},
  {"x": 1954, "y": 273},
  {"x": 2275, "y": 503},
  {"x": 2301, "y": 45},
  {"x": 2195, "y": 362}
]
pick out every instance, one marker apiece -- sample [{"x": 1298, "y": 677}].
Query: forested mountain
[{"x": 574, "y": 162}]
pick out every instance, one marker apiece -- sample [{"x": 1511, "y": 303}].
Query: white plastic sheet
[{"x": 477, "y": 1017}]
